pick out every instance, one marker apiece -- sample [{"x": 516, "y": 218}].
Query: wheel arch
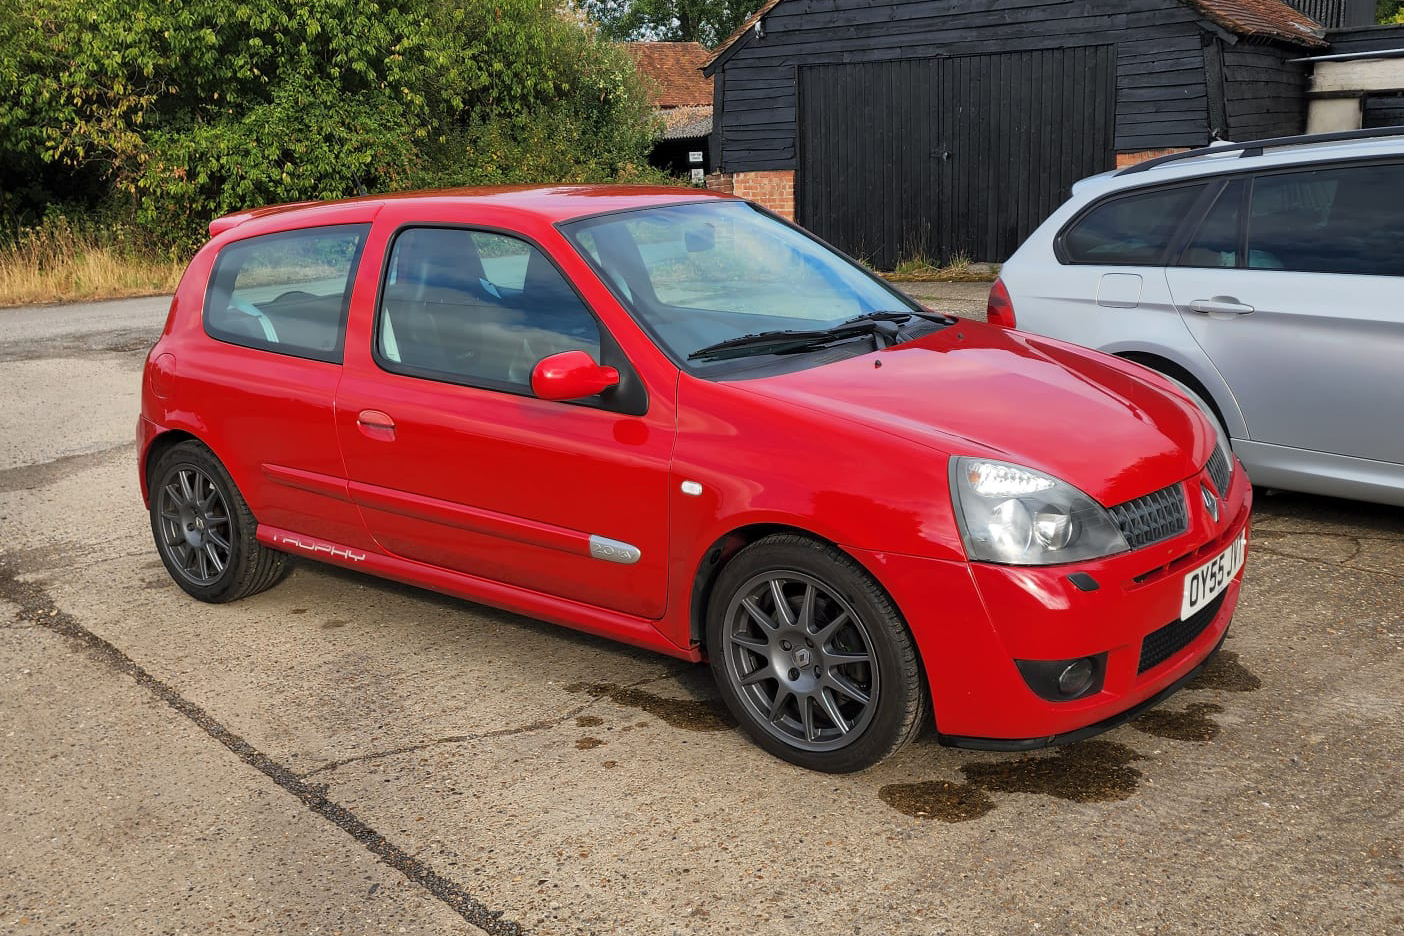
[
  {"x": 1163, "y": 365},
  {"x": 166, "y": 440},
  {"x": 721, "y": 552}
]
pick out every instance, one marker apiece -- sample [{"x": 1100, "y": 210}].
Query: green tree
[
  {"x": 704, "y": 21},
  {"x": 189, "y": 110},
  {"x": 1389, "y": 11}
]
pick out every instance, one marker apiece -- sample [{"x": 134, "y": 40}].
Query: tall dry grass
[{"x": 58, "y": 262}]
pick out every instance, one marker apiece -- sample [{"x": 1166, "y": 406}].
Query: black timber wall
[
  {"x": 1337, "y": 13},
  {"x": 1161, "y": 100},
  {"x": 1365, "y": 39},
  {"x": 1264, "y": 92}
]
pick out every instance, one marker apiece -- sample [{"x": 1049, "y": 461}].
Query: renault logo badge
[{"x": 1211, "y": 502}]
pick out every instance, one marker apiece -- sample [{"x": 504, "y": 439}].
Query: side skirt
[{"x": 639, "y": 632}]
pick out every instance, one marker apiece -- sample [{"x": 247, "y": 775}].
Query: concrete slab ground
[
  {"x": 345, "y": 755},
  {"x": 967, "y": 300}
]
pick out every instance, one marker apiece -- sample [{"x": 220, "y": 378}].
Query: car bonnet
[{"x": 1102, "y": 424}]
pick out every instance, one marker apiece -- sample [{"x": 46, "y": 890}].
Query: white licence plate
[{"x": 1205, "y": 583}]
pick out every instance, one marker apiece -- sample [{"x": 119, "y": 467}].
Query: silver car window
[
  {"x": 1133, "y": 229},
  {"x": 1341, "y": 219}
]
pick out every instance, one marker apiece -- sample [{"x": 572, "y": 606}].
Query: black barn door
[{"x": 960, "y": 156}]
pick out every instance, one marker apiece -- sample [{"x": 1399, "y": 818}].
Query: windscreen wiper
[
  {"x": 885, "y": 316},
  {"x": 884, "y": 326}
]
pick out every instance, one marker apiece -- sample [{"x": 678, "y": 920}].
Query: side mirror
[{"x": 571, "y": 375}]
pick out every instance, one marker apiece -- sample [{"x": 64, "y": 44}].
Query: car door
[
  {"x": 263, "y": 377},
  {"x": 452, "y": 459},
  {"x": 1108, "y": 288},
  {"x": 1302, "y": 309}
]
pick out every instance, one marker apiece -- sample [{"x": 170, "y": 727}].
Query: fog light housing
[
  {"x": 1076, "y": 677},
  {"x": 1064, "y": 680}
]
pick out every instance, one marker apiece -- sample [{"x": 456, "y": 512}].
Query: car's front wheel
[
  {"x": 204, "y": 530},
  {"x": 812, "y": 656}
]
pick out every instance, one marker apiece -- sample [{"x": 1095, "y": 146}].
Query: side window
[
  {"x": 1131, "y": 229},
  {"x": 1215, "y": 243},
  {"x": 1346, "y": 219},
  {"x": 286, "y": 293},
  {"x": 476, "y": 308}
]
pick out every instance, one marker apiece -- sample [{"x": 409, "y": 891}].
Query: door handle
[
  {"x": 376, "y": 425},
  {"x": 1220, "y": 305}
]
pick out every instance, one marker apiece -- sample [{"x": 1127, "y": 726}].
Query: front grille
[
  {"x": 1162, "y": 644},
  {"x": 1220, "y": 470},
  {"x": 1155, "y": 517}
]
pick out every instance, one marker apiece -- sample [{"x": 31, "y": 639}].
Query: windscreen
[{"x": 699, "y": 274}]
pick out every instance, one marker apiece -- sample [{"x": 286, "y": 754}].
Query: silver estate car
[{"x": 1266, "y": 277}]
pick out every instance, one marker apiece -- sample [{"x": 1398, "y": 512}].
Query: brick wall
[
  {"x": 772, "y": 189},
  {"x": 720, "y": 182},
  {"x": 1130, "y": 159}
]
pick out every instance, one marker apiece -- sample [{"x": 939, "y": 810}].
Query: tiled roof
[
  {"x": 1264, "y": 19},
  {"x": 726, "y": 43},
  {"x": 686, "y": 123},
  {"x": 676, "y": 68}
]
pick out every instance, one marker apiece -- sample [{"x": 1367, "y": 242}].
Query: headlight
[{"x": 1019, "y": 516}]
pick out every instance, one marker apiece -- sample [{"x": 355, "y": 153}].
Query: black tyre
[
  {"x": 204, "y": 530},
  {"x": 812, "y": 656}
]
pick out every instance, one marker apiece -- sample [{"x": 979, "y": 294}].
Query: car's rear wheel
[
  {"x": 812, "y": 656},
  {"x": 204, "y": 530}
]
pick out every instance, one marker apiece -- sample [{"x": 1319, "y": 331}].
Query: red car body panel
[{"x": 494, "y": 496}]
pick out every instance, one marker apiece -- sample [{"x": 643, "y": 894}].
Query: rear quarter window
[
  {"x": 286, "y": 293},
  {"x": 1133, "y": 229}
]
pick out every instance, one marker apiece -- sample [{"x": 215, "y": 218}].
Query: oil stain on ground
[
  {"x": 586, "y": 743},
  {"x": 1090, "y": 772},
  {"x": 589, "y": 721},
  {"x": 1193, "y": 724},
  {"x": 1227, "y": 673},
  {"x": 938, "y": 799},
  {"x": 690, "y": 714}
]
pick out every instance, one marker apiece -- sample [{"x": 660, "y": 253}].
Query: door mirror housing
[{"x": 571, "y": 375}]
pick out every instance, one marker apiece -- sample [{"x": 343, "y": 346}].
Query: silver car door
[
  {"x": 1107, "y": 289},
  {"x": 1304, "y": 315}
]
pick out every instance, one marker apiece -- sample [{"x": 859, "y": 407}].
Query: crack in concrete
[
  {"x": 38, "y": 608},
  {"x": 541, "y": 724},
  {"x": 42, "y": 474},
  {"x": 1325, "y": 563},
  {"x": 528, "y": 728}
]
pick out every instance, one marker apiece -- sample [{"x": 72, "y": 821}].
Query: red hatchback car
[{"x": 671, "y": 418}]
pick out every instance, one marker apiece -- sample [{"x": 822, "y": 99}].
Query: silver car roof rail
[{"x": 1256, "y": 147}]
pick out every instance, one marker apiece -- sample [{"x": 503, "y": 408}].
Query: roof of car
[
  {"x": 1207, "y": 161},
  {"x": 551, "y": 203}
]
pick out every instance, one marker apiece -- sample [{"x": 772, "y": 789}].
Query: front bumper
[{"x": 972, "y": 621}]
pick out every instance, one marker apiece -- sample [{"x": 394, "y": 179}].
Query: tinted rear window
[
  {"x": 1215, "y": 243},
  {"x": 286, "y": 293},
  {"x": 1131, "y": 229},
  {"x": 1348, "y": 219}
]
